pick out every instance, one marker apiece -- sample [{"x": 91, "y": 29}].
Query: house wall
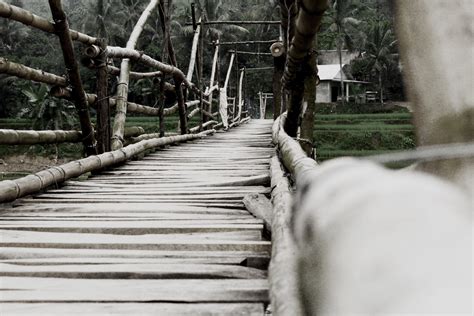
[{"x": 323, "y": 92}]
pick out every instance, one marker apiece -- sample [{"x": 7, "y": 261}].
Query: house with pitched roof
[{"x": 329, "y": 88}]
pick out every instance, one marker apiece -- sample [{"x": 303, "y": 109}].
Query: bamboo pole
[
  {"x": 203, "y": 118},
  {"x": 215, "y": 60},
  {"x": 60, "y": 92},
  {"x": 165, "y": 27},
  {"x": 27, "y": 137},
  {"x": 250, "y": 53},
  {"x": 292, "y": 155},
  {"x": 61, "y": 27},
  {"x": 436, "y": 44},
  {"x": 122, "y": 90},
  {"x": 183, "y": 121},
  {"x": 102, "y": 103},
  {"x": 279, "y": 59},
  {"x": 23, "y": 16},
  {"x": 307, "y": 122},
  {"x": 30, "y": 137},
  {"x": 24, "y": 72},
  {"x": 306, "y": 26},
  {"x": 229, "y": 71},
  {"x": 202, "y": 126},
  {"x": 240, "y": 97},
  {"x": 11, "y": 190},
  {"x": 247, "y": 42},
  {"x": 194, "y": 50},
  {"x": 223, "y": 105},
  {"x": 259, "y": 69},
  {"x": 165, "y": 54},
  {"x": 135, "y": 75},
  {"x": 133, "y": 131},
  {"x": 240, "y": 22},
  {"x": 172, "y": 110},
  {"x": 283, "y": 275},
  {"x": 123, "y": 53},
  {"x": 161, "y": 107},
  {"x": 260, "y": 207}
]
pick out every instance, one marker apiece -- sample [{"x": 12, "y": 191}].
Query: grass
[
  {"x": 337, "y": 133},
  {"x": 362, "y": 134}
]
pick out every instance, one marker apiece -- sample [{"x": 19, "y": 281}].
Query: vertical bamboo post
[
  {"x": 229, "y": 71},
  {"x": 279, "y": 58},
  {"x": 183, "y": 120},
  {"x": 103, "y": 107},
  {"x": 162, "y": 107},
  {"x": 436, "y": 41},
  {"x": 165, "y": 24},
  {"x": 213, "y": 75},
  {"x": 307, "y": 123},
  {"x": 201, "y": 76},
  {"x": 194, "y": 51},
  {"x": 240, "y": 99},
  {"x": 61, "y": 27},
  {"x": 307, "y": 24},
  {"x": 122, "y": 89},
  {"x": 223, "y": 105}
]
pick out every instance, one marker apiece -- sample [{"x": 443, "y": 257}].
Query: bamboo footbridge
[
  {"x": 232, "y": 216},
  {"x": 180, "y": 234}
]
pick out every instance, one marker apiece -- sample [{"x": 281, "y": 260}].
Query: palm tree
[
  {"x": 345, "y": 29},
  {"x": 381, "y": 51}
]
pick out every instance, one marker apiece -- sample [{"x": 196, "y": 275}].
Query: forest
[{"x": 362, "y": 26}]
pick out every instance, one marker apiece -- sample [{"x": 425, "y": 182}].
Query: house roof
[{"x": 330, "y": 72}]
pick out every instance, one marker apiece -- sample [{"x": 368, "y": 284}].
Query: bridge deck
[{"x": 169, "y": 230}]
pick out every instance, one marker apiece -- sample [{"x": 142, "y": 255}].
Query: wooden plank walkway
[{"x": 166, "y": 235}]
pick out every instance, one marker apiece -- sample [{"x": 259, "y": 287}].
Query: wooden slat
[
  {"x": 126, "y": 309},
  {"x": 18, "y": 289},
  {"x": 132, "y": 271}
]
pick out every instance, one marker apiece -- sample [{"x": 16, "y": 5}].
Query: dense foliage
[{"x": 362, "y": 25}]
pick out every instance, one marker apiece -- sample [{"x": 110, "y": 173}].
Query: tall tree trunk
[
  {"x": 79, "y": 96},
  {"x": 122, "y": 90}
]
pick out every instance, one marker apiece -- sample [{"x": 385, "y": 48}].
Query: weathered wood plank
[
  {"x": 132, "y": 271},
  {"x": 126, "y": 309},
  {"x": 137, "y": 242},
  {"x": 17, "y": 289},
  {"x": 249, "y": 227}
]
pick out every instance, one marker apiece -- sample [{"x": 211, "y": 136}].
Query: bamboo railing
[
  {"x": 69, "y": 86},
  {"x": 93, "y": 50}
]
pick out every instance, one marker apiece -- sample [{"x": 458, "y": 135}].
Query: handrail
[
  {"x": 32, "y": 137},
  {"x": 292, "y": 155},
  {"x": 98, "y": 48},
  {"x": 23, "y": 16},
  {"x": 10, "y": 190}
]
